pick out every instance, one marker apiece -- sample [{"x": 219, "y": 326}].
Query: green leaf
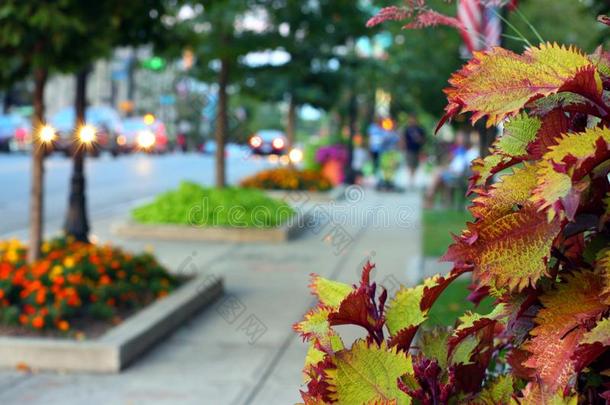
[
  {"x": 518, "y": 133},
  {"x": 368, "y": 373},
  {"x": 329, "y": 292}
]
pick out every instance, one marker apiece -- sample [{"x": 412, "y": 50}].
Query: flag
[{"x": 482, "y": 28}]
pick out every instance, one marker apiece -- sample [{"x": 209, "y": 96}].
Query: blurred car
[
  {"x": 268, "y": 141},
  {"x": 104, "y": 119},
  {"x": 15, "y": 133},
  {"x": 137, "y": 135}
]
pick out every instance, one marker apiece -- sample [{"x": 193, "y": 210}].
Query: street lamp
[
  {"x": 86, "y": 134},
  {"x": 46, "y": 134}
]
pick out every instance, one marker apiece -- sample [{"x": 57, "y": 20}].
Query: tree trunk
[
  {"x": 291, "y": 123},
  {"x": 352, "y": 121},
  {"x": 37, "y": 190},
  {"x": 7, "y": 100},
  {"x": 77, "y": 223},
  {"x": 222, "y": 123}
]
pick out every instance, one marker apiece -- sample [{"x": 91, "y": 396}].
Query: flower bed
[
  {"x": 192, "y": 204},
  {"x": 74, "y": 286},
  {"x": 288, "y": 179}
]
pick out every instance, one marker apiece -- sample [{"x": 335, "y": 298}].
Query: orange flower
[
  {"x": 63, "y": 325},
  {"x": 41, "y": 296},
  {"x": 23, "y": 319},
  {"x": 1, "y": 293},
  {"x": 38, "y": 322},
  {"x": 28, "y": 309},
  {"x": 105, "y": 280}
]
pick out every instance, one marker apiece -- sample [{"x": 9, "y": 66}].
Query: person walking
[
  {"x": 376, "y": 139},
  {"x": 415, "y": 138}
]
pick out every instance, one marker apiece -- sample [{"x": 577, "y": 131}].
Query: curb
[
  {"x": 122, "y": 344},
  {"x": 278, "y": 234}
]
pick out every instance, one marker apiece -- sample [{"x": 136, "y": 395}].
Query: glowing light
[
  {"x": 121, "y": 140},
  {"x": 387, "y": 124},
  {"x": 273, "y": 158},
  {"x": 46, "y": 134},
  {"x": 149, "y": 119},
  {"x": 146, "y": 139},
  {"x": 86, "y": 134},
  {"x": 278, "y": 143},
  {"x": 256, "y": 141},
  {"x": 284, "y": 160},
  {"x": 296, "y": 155}
]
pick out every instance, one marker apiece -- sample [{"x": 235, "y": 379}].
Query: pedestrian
[
  {"x": 376, "y": 139},
  {"x": 415, "y": 138},
  {"x": 359, "y": 159}
]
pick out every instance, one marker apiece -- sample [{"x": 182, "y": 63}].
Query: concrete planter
[
  {"x": 300, "y": 197},
  {"x": 119, "y": 346},
  {"x": 277, "y": 234}
]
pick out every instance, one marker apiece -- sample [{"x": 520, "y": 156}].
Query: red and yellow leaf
[
  {"x": 499, "y": 83},
  {"x": 566, "y": 163},
  {"x": 511, "y": 251},
  {"x": 560, "y": 327}
]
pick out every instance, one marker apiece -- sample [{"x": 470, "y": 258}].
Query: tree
[
  {"x": 33, "y": 38},
  {"x": 223, "y": 36},
  {"x": 315, "y": 39}
]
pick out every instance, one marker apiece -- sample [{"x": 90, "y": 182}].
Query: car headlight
[
  {"x": 296, "y": 155},
  {"x": 278, "y": 143},
  {"x": 256, "y": 141},
  {"x": 146, "y": 139}
]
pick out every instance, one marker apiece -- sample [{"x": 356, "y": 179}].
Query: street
[{"x": 111, "y": 183}]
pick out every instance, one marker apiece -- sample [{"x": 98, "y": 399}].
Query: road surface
[{"x": 112, "y": 183}]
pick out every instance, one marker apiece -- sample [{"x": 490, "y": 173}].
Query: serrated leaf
[
  {"x": 367, "y": 373},
  {"x": 511, "y": 251},
  {"x": 404, "y": 310},
  {"x": 329, "y": 292},
  {"x": 471, "y": 322},
  {"x": 573, "y": 156},
  {"x": 518, "y": 132},
  {"x": 410, "y": 306},
  {"x": 483, "y": 168},
  {"x": 499, "y": 83},
  {"x": 315, "y": 323},
  {"x": 513, "y": 189},
  {"x": 559, "y": 327}
]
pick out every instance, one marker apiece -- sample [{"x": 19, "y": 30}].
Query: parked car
[
  {"x": 137, "y": 135},
  {"x": 15, "y": 133},
  {"x": 268, "y": 141},
  {"x": 104, "y": 119}
]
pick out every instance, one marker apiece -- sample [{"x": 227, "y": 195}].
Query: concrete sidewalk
[{"x": 242, "y": 350}]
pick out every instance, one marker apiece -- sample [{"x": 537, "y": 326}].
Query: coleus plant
[{"x": 539, "y": 244}]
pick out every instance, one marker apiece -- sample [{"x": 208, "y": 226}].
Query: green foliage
[
  {"x": 192, "y": 204},
  {"x": 438, "y": 225}
]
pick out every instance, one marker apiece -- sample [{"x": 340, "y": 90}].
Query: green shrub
[{"x": 192, "y": 204}]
